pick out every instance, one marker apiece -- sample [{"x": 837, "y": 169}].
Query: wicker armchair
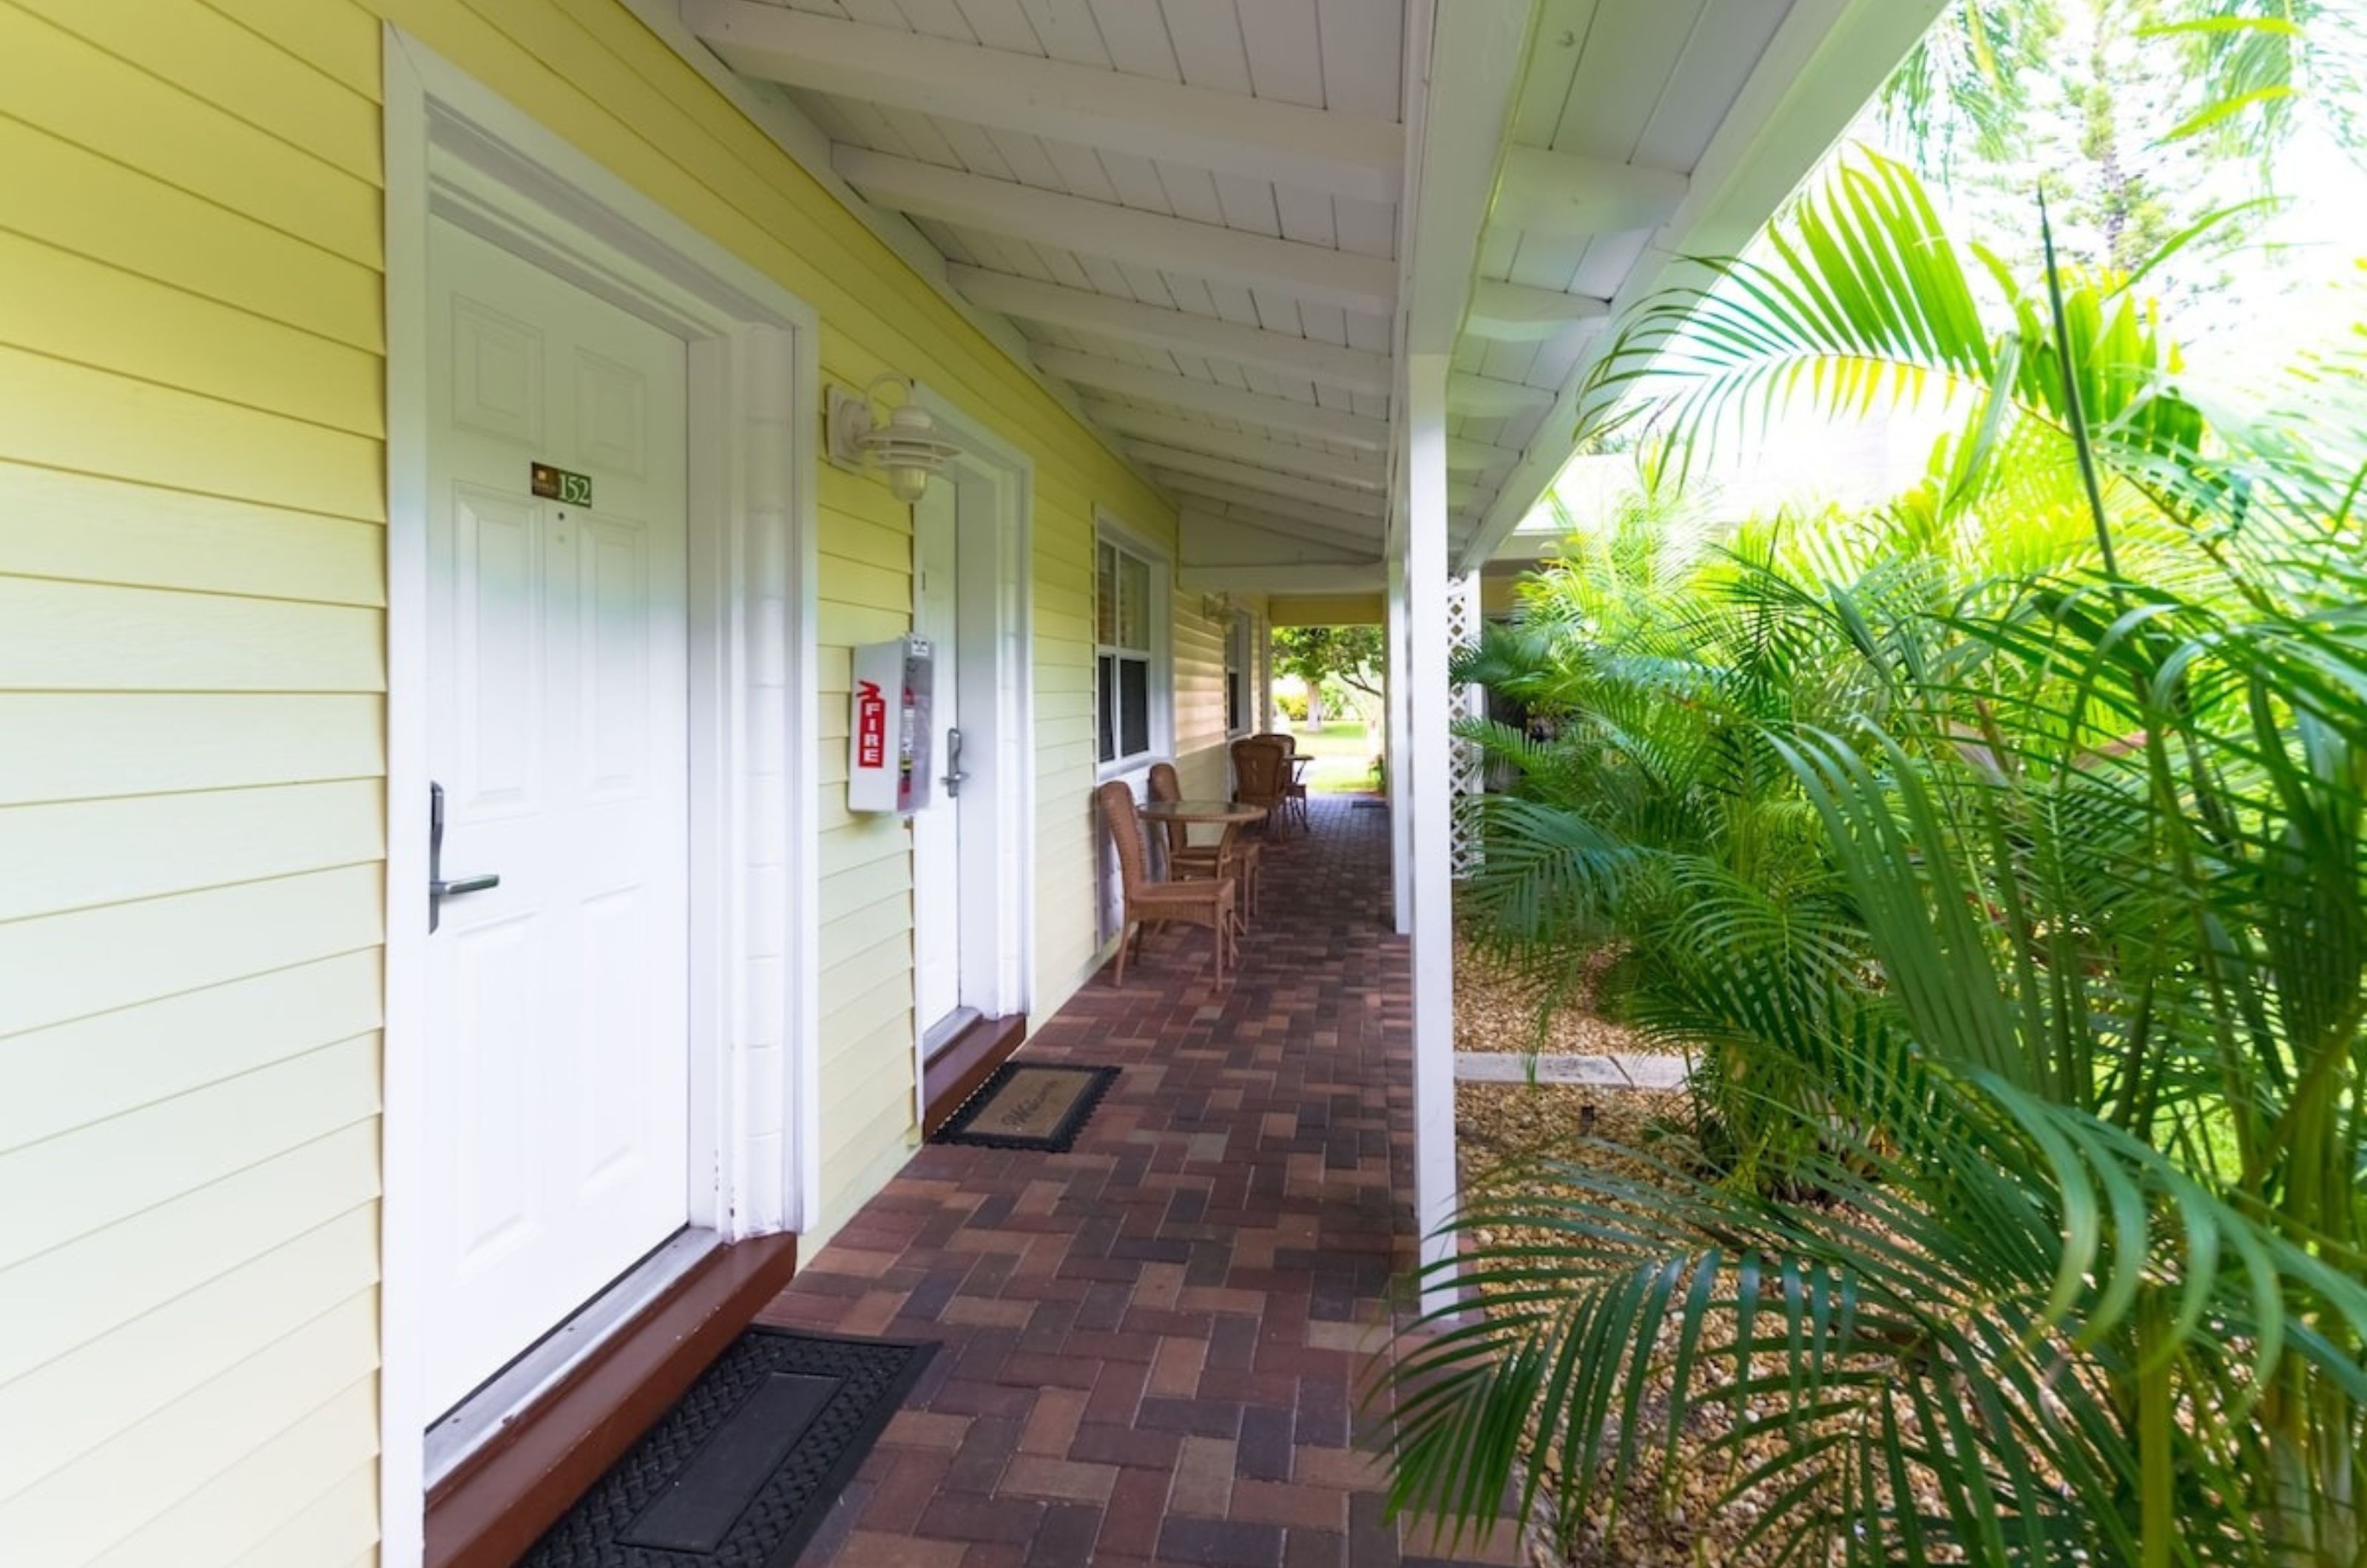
[
  {"x": 1207, "y": 902},
  {"x": 1261, "y": 777},
  {"x": 1235, "y": 857},
  {"x": 1293, "y": 790}
]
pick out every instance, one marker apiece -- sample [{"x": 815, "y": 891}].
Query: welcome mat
[
  {"x": 745, "y": 1468},
  {"x": 1024, "y": 1106}
]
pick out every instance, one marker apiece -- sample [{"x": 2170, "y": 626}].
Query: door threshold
[
  {"x": 946, "y": 1031},
  {"x": 492, "y": 1505},
  {"x": 964, "y": 1062},
  {"x": 497, "y": 1405}
]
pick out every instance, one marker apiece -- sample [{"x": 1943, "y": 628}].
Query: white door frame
[
  {"x": 456, "y": 150},
  {"x": 994, "y": 604}
]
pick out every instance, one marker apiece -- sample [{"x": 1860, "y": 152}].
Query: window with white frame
[
  {"x": 1126, "y": 683},
  {"x": 1241, "y": 674}
]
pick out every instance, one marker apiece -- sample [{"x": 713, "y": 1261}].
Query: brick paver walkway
[{"x": 1152, "y": 1344}]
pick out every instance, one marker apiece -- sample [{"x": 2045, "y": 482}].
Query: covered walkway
[{"x": 1150, "y": 1345}]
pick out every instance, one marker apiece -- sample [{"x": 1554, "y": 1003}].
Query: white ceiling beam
[
  {"x": 1297, "y": 580},
  {"x": 1542, "y": 192},
  {"x": 1179, "y": 332},
  {"x": 1467, "y": 457},
  {"x": 1242, "y": 499},
  {"x": 1279, "y": 490},
  {"x": 1491, "y": 399},
  {"x": 1332, "y": 467},
  {"x": 1194, "y": 513},
  {"x": 1264, "y": 139},
  {"x": 1121, "y": 233},
  {"x": 1464, "y": 64},
  {"x": 1182, "y": 391},
  {"x": 1827, "y": 59},
  {"x": 1513, "y": 312}
]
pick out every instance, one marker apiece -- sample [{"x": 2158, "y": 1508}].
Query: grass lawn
[{"x": 1343, "y": 757}]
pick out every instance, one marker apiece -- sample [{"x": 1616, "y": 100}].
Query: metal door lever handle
[
  {"x": 955, "y": 773},
  {"x": 438, "y": 888}
]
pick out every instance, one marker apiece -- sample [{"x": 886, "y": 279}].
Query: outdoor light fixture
[{"x": 905, "y": 444}]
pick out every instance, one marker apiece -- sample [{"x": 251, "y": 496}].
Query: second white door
[{"x": 937, "y": 829}]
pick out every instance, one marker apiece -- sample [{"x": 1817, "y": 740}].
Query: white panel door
[
  {"x": 557, "y": 1027},
  {"x": 936, "y": 830}
]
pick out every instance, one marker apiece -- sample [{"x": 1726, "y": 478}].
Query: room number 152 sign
[{"x": 560, "y": 485}]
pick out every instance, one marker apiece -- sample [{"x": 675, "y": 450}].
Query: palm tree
[{"x": 2077, "y": 1062}]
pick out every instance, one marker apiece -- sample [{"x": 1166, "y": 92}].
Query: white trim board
[{"x": 457, "y": 149}]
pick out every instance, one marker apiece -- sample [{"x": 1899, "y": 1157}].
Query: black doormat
[
  {"x": 1368, "y": 805},
  {"x": 745, "y": 1468},
  {"x": 1025, "y": 1106}
]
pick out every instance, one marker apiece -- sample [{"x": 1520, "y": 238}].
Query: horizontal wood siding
[{"x": 192, "y": 686}]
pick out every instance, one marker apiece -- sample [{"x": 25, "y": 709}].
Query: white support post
[
  {"x": 1400, "y": 808},
  {"x": 1429, "y": 759}
]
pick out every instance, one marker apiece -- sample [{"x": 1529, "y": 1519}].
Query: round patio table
[{"x": 1230, "y": 814}]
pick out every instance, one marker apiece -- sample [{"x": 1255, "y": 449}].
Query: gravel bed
[
  {"x": 1495, "y": 1011},
  {"x": 1669, "y": 1517}
]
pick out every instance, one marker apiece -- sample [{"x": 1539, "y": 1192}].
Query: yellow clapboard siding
[
  {"x": 70, "y": 966},
  {"x": 884, "y": 838},
  {"x": 82, "y": 854},
  {"x": 69, "y": 416},
  {"x": 850, "y": 931},
  {"x": 869, "y": 968},
  {"x": 72, "y": 636},
  {"x": 126, "y": 1057},
  {"x": 883, "y": 1004},
  {"x": 338, "y": 40},
  {"x": 69, "y": 307},
  {"x": 344, "y": 1519},
  {"x": 92, "y": 1504},
  {"x": 79, "y": 201},
  {"x": 86, "y": 746},
  {"x": 117, "y": 1168},
  {"x": 237, "y": 71},
  {"x": 869, "y": 587},
  {"x": 55, "y": 1413},
  {"x": 246, "y": 1508},
  {"x": 851, "y": 626},
  {"x": 72, "y": 1295},
  {"x": 55, "y": 524},
  {"x": 63, "y": 84}
]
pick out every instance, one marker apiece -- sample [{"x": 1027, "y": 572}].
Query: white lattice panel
[{"x": 1464, "y": 623}]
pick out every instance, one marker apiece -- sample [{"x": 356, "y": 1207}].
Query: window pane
[
  {"x": 1134, "y": 705},
  {"x": 1134, "y": 602},
  {"x": 1233, "y": 685},
  {"x": 1106, "y": 597},
  {"x": 1106, "y": 690}
]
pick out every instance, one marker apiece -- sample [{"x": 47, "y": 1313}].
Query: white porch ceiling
[{"x": 1188, "y": 211}]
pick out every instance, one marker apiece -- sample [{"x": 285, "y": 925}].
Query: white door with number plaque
[{"x": 558, "y": 1032}]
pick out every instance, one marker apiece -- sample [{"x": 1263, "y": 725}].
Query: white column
[
  {"x": 1429, "y": 760},
  {"x": 1400, "y": 813}
]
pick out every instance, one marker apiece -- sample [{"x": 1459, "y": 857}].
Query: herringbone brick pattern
[{"x": 1152, "y": 1344}]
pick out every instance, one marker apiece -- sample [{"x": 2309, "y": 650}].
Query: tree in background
[
  {"x": 1351, "y": 656},
  {"x": 2138, "y": 121}
]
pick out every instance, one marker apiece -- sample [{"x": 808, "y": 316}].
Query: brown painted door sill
[
  {"x": 498, "y": 1502},
  {"x": 955, "y": 1073}
]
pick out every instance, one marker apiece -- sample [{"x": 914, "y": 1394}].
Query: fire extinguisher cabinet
[{"x": 888, "y": 763}]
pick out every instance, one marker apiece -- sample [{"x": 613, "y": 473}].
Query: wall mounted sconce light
[
  {"x": 901, "y": 440},
  {"x": 1216, "y": 606}
]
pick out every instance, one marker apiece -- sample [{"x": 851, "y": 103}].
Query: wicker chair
[
  {"x": 1236, "y": 857},
  {"x": 1292, "y": 788},
  {"x": 1207, "y": 902},
  {"x": 1261, "y": 778}
]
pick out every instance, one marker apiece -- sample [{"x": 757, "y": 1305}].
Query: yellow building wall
[
  {"x": 1328, "y": 610},
  {"x": 192, "y": 752}
]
